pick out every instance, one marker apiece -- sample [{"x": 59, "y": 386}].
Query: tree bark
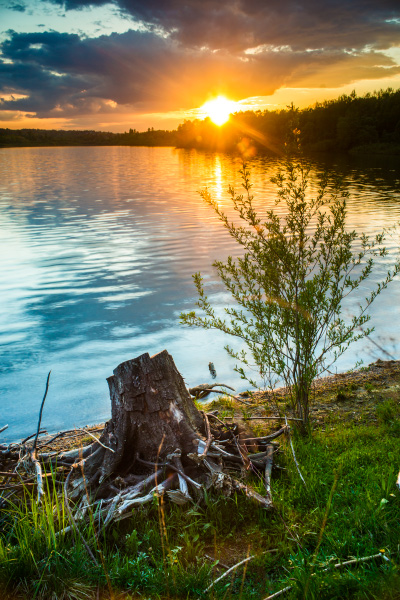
[{"x": 152, "y": 415}]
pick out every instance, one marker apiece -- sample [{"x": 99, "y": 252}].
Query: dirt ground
[{"x": 347, "y": 396}]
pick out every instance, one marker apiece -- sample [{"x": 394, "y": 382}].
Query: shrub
[{"x": 290, "y": 283}]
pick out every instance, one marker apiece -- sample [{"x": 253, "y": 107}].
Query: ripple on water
[{"x": 98, "y": 247}]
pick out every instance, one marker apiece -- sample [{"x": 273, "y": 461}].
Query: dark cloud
[
  {"x": 62, "y": 72},
  {"x": 241, "y": 49},
  {"x": 240, "y": 24}
]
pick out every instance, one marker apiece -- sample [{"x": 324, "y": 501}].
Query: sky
[{"x": 112, "y": 66}]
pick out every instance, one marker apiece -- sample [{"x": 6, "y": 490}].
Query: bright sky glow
[
  {"x": 219, "y": 109},
  {"x": 81, "y": 64}
]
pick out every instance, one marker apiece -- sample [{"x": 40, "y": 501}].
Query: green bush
[{"x": 289, "y": 285}]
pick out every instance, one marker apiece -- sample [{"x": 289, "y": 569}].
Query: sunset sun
[{"x": 219, "y": 109}]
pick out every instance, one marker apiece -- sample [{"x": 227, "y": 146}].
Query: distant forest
[
  {"x": 61, "y": 137},
  {"x": 369, "y": 123}
]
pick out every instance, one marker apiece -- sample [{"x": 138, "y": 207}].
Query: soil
[{"x": 352, "y": 396}]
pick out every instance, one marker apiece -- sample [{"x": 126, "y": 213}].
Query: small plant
[
  {"x": 132, "y": 543},
  {"x": 395, "y": 428},
  {"x": 386, "y": 412},
  {"x": 246, "y": 412},
  {"x": 289, "y": 285},
  {"x": 369, "y": 387}
]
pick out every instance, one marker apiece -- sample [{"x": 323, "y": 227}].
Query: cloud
[
  {"x": 191, "y": 50},
  {"x": 65, "y": 73},
  {"x": 240, "y": 24}
]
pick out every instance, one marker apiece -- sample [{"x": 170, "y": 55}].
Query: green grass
[{"x": 350, "y": 508}]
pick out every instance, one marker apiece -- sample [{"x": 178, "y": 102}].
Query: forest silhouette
[{"x": 350, "y": 123}]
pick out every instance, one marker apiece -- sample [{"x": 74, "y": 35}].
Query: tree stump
[
  {"x": 152, "y": 416},
  {"x": 157, "y": 442}
]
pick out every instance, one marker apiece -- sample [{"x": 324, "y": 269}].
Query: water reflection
[
  {"x": 218, "y": 178},
  {"x": 98, "y": 247}
]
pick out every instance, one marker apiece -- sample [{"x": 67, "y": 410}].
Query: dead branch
[
  {"x": 279, "y": 593},
  {"x": 264, "y": 502},
  {"x": 3, "y": 428},
  {"x": 227, "y": 572},
  {"x": 33, "y": 452},
  {"x": 41, "y": 411},
  {"x": 202, "y": 390},
  {"x": 121, "y": 511},
  {"x": 337, "y": 566},
  {"x": 237, "y": 398},
  {"x": 7, "y": 474},
  {"x": 180, "y": 471},
  {"x": 208, "y": 431},
  {"x": 97, "y": 439},
  {"x": 81, "y": 431},
  {"x": 41, "y": 432},
  {"x": 355, "y": 561},
  {"x": 39, "y": 475},
  {"x": 268, "y": 469},
  {"x": 27, "y": 481},
  {"x": 215, "y": 560},
  {"x": 294, "y": 455},
  {"x": 267, "y": 418}
]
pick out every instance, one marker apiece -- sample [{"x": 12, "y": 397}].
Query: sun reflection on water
[{"x": 218, "y": 178}]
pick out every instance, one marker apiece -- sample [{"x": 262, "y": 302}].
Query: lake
[{"x": 98, "y": 246}]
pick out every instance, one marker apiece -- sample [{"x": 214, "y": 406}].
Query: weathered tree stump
[
  {"x": 152, "y": 415},
  {"x": 157, "y": 442}
]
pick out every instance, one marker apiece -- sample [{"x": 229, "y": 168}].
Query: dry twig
[
  {"x": 208, "y": 431},
  {"x": 354, "y": 561},
  {"x": 96, "y": 439},
  {"x": 33, "y": 453},
  {"x": 227, "y": 572},
  {"x": 268, "y": 469},
  {"x": 294, "y": 455}
]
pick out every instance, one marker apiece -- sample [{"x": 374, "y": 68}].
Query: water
[{"x": 98, "y": 246}]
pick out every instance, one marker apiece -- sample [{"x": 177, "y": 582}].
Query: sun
[{"x": 219, "y": 109}]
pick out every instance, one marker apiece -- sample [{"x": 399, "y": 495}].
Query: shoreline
[{"x": 349, "y": 385}]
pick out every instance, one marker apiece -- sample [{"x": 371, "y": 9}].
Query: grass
[{"x": 350, "y": 508}]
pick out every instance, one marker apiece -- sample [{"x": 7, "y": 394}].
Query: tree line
[
  {"x": 60, "y": 137},
  {"x": 348, "y": 123},
  {"x": 369, "y": 123}
]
